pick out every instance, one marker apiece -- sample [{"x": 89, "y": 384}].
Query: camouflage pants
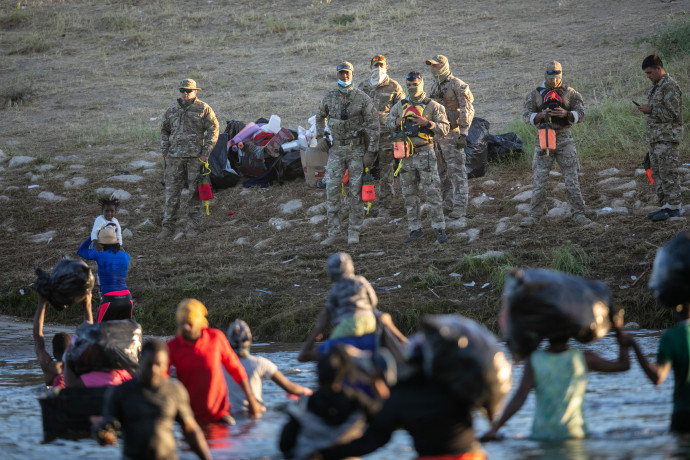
[
  {"x": 421, "y": 168},
  {"x": 665, "y": 160},
  {"x": 566, "y": 157},
  {"x": 341, "y": 158},
  {"x": 385, "y": 189},
  {"x": 176, "y": 171},
  {"x": 452, "y": 172}
]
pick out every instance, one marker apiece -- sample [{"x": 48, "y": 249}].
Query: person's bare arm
[
  {"x": 387, "y": 321},
  {"x": 291, "y": 387},
  {"x": 48, "y": 365},
  {"x": 195, "y": 438},
  {"x": 597, "y": 363},
  {"x": 515, "y": 403},
  {"x": 254, "y": 408},
  {"x": 656, "y": 372},
  {"x": 308, "y": 352},
  {"x": 88, "y": 313}
]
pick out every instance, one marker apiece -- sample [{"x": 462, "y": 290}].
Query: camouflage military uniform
[
  {"x": 189, "y": 130},
  {"x": 664, "y": 133},
  {"x": 384, "y": 96},
  {"x": 456, "y": 98},
  {"x": 350, "y": 114},
  {"x": 421, "y": 168},
  {"x": 564, "y": 153}
]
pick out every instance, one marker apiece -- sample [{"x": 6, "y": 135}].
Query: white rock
[
  {"x": 245, "y": 191},
  {"x": 608, "y": 181},
  {"x": 121, "y": 195},
  {"x": 489, "y": 183},
  {"x": 65, "y": 158},
  {"x": 502, "y": 227},
  {"x": 608, "y": 172},
  {"x": 555, "y": 174},
  {"x": 631, "y": 326},
  {"x": 148, "y": 172},
  {"x": 523, "y": 196},
  {"x": 76, "y": 182},
  {"x": 620, "y": 210},
  {"x": 523, "y": 208},
  {"x": 558, "y": 213},
  {"x": 263, "y": 244},
  {"x": 105, "y": 191},
  {"x": 130, "y": 178},
  {"x": 473, "y": 234},
  {"x": 4, "y": 198},
  {"x": 630, "y": 194},
  {"x": 11, "y": 188},
  {"x": 153, "y": 153},
  {"x": 145, "y": 224},
  {"x": 33, "y": 178},
  {"x": 20, "y": 160},
  {"x": 179, "y": 236},
  {"x": 278, "y": 223},
  {"x": 50, "y": 196},
  {"x": 373, "y": 222},
  {"x": 142, "y": 164},
  {"x": 241, "y": 241},
  {"x": 627, "y": 186},
  {"x": 683, "y": 170},
  {"x": 76, "y": 166},
  {"x": 317, "y": 209},
  {"x": 640, "y": 172},
  {"x": 490, "y": 255},
  {"x": 479, "y": 200},
  {"x": 618, "y": 203},
  {"x": 127, "y": 233},
  {"x": 3, "y": 156},
  {"x": 317, "y": 219},
  {"x": 12, "y": 142},
  {"x": 43, "y": 237},
  {"x": 558, "y": 187},
  {"x": 456, "y": 223},
  {"x": 122, "y": 212},
  {"x": 44, "y": 168},
  {"x": 291, "y": 206}
]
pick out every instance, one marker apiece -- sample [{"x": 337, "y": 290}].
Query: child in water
[
  {"x": 351, "y": 307},
  {"x": 109, "y": 207},
  {"x": 559, "y": 376},
  {"x": 258, "y": 368}
]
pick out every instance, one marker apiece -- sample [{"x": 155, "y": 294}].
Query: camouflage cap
[
  {"x": 438, "y": 59},
  {"x": 345, "y": 66},
  {"x": 378, "y": 58},
  {"x": 188, "y": 83},
  {"x": 554, "y": 67}
]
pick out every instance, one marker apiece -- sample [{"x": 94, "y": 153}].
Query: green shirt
[{"x": 674, "y": 348}]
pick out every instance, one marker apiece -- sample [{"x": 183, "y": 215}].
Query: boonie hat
[
  {"x": 438, "y": 59},
  {"x": 378, "y": 58},
  {"x": 345, "y": 66},
  {"x": 107, "y": 235},
  {"x": 188, "y": 83}
]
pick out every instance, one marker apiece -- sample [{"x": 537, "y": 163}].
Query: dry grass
[{"x": 100, "y": 71}]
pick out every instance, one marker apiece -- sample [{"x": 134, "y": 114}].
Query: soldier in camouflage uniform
[
  {"x": 188, "y": 134},
  {"x": 385, "y": 92},
  {"x": 421, "y": 166},
  {"x": 560, "y": 107},
  {"x": 351, "y": 115},
  {"x": 455, "y": 96},
  {"x": 664, "y": 110}
]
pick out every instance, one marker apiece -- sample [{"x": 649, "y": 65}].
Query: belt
[
  {"x": 348, "y": 142},
  {"x": 424, "y": 148}
]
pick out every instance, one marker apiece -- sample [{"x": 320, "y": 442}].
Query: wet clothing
[
  {"x": 421, "y": 167},
  {"x": 258, "y": 369},
  {"x": 352, "y": 121},
  {"x": 664, "y": 133},
  {"x": 564, "y": 152},
  {"x": 363, "y": 342},
  {"x": 116, "y": 305},
  {"x": 428, "y": 412},
  {"x": 198, "y": 366},
  {"x": 101, "y": 222},
  {"x": 674, "y": 348},
  {"x": 560, "y": 381},
  {"x": 59, "y": 381},
  {"x": 112, "y": 266},
  {"x": 324, "y": 419},
  {"x": 103, "y": 379},
  {"x": 146, "y": 417}
]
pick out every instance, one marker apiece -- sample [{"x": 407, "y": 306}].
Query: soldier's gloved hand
[
  {"x": 322, "y": 144},
  {"x": 462, "y": 141}
]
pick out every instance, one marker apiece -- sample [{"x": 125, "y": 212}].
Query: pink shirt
[{"x": 103, "y": 379}]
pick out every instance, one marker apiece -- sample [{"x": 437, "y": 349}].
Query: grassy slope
[{"x": 90, "y": 76}]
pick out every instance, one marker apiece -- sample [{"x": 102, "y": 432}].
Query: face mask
[
  {"x": 442, "y": 73},
  {"x": 415, "y": 92},
  {"x": 551, "y": 82},
  {"x": 344, "y": 84},
  {"x": 377, "y": 76}
]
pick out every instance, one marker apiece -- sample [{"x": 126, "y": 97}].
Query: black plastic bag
[
  {"x": 106, "y": 346},
  {"x": 218, "y": 161},
  {"x": 464, "y": 356},
  {"x": 503, "y": 146},
  {"x": 541, "y": 304},
  {"x": 670, "y": 280},
  {"x": 477, "y": 148},
  {"x": 68, "y": 282}
]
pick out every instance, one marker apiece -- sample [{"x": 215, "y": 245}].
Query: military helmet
[
  {"x": 345, "y": 66},
  {"x": 188, "y": 83}
]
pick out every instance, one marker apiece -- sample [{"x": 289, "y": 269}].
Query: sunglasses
[
  {"x": 413, "y": 76},
  {"x": 344, "y": 67},
  {"x": 185, "y": 90},
  {"x": 553, "y": 72},
  {"x": 378, "y": 59}
]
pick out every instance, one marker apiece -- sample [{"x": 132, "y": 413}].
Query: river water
[{"x": 627, "y": 416}]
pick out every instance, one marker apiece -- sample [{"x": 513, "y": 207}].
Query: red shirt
[{"x": 198, "y": 367}]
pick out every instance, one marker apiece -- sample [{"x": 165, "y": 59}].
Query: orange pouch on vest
[
  {"x": 547, "y": 139},
  {"x": 400, "y": 149},
  {"x": 368, "y": 192}
]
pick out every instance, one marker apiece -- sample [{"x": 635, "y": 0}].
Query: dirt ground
[{"x": 93, "y": 78}]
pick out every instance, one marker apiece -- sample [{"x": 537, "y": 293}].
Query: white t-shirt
[
  {"x": 100, "y": 222},
  {"x": 258, "y": 369}
]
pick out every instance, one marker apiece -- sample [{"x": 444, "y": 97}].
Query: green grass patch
[
  {"x": 671, "y": 39},
  {"x": 343, "y": 19},
  {"x": 277, "y": 24},
  {"x": 118, "y": 23},
  {"x": 16, "y": 17},
  {"x": 570, "y": 259},
  {"x": 487, "y": 267},
  {"x": 106, "y": 131},
  {"x": 33, "y": 44}
]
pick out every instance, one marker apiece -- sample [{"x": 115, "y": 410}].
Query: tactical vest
[
  {"x": 342, "y": 124},
  {"x": 552, "y": 99},
  {"x": 450, "y": 101},
  {"x": 408, "y": 110}
]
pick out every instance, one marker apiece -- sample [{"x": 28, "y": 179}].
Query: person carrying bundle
[{"x": 558, "y": 307}]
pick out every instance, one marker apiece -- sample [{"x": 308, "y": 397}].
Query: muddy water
[{"x": 627, "y": 415}]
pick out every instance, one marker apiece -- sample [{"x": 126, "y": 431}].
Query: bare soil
[{"x": 95, "y": 77}]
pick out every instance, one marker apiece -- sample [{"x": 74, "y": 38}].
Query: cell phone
[{"x": 633, "y": 101}]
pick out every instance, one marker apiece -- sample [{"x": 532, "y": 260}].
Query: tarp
[{"x": 106, "y": 346}]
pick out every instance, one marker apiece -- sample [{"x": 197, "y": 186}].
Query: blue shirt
[{"x": 112, "y": 267}]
